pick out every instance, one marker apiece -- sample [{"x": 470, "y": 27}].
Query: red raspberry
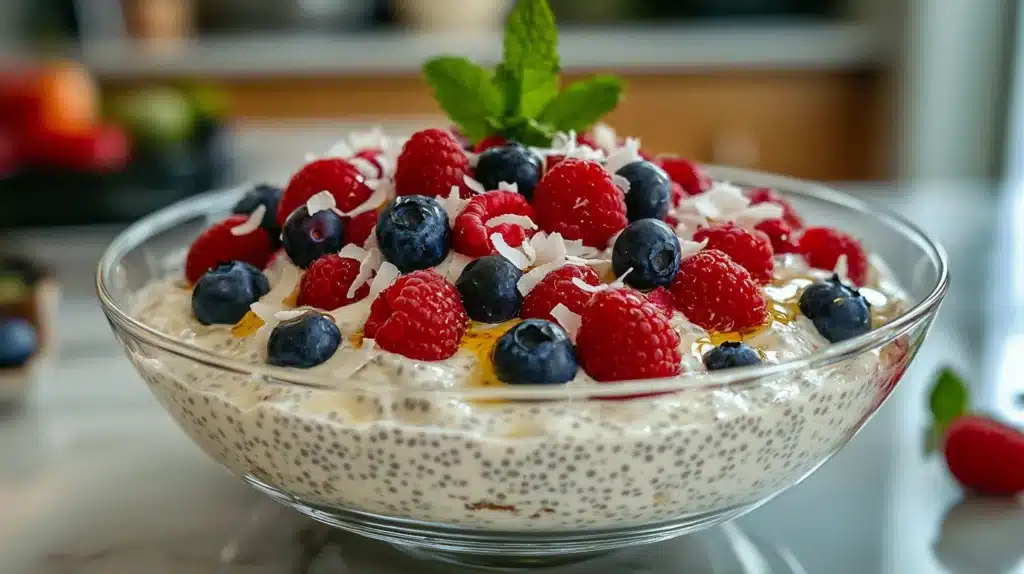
[
  {"x": 985, "y": 456},
  {"x": 780, "y": 234},
  {"x": 624, "y": 336},
  {"x": 751, "y": 249},
  {"x": 471, "y": 235},
  {"x": 419, "y": 316},
  {"x": 359, "y": 228},
  {"x": 822, "y": 246},
  {"x": 431, "y": 162},
  {"x": 663, "y": 299},
  {"x": 677, "y": 196},
  {"x": 715, "y": 293},
  {"x": 768, "y": 195},
  {"x": 372, "y": 155},
  {"x": 557, "y": 287},
  {"x": 578, "y": 199},
  {"x": 687, "y": 174},
  {"x": 332, "y": 174},
  {"x": 326, "y": 282},
  {"x": 489, "y": 142},
  {"x": 218, "y": 245}
]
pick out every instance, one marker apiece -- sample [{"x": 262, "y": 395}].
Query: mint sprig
[{"x": 520, "y": 99}]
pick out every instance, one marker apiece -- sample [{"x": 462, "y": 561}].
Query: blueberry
[
  {"x": 511, "y": 163},
  {"x": 308, "y": 237},
  {"x": 305, "y": 341},
  {"x": 488, "y": 289},
  {"x": 650, "y": 190},
  {"x": 651, "y": 249},
  {"x": 730, "y": 354},
  {"x": 18, "y": 342},
  {"x": 838, "y": 312},
  {"x": 222, "y": 296},
  {"x": 413, "y": 233},
  {"x": 269, "y": 196},
  {"x": 534, "y": 352}
]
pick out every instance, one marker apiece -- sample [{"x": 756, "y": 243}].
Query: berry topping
[
  {"x": 419, "y": 316},
  {"x": 413, "y": 233},
  {"x": 510, "y": 163},
  {"x": 269, "y": 196},
  {"x": 650, "y": 190},
  {"x": 624, "y": 336},
  {"x": 751, "y": 249},
  {"x": 715, "y": 293},
  {"x": 359, "y": 228},
  {"x": 985, "y": 455},
  {"x": 780, "y": 234},
  {"x": 18, "y": 342},
  {"x": 534, "y": 352},
  {"x": 837, "y": 311},
  {"x": 690, "y": 177},
  {"x": 304, "y": 341},
  {"x": 327, "y": 284},
  {"x": 488, "y": 289},
  {"x": 557, "y": 288},
  {"x": 334, "y": 175},
  {"x": 431, "y": 162},
  {"x": 768, "y": 195},
  {"x": 223, "y": 295},
  {"x": 308, "y": 237},
  {"x": 663, "y": 299},
  {"x": 651, "y": 249},
  {"x": 578, "y": 199},
  {"x": 219, "y": 244},
  {"x": 731, "y": 354},
  {"x": 822, "y": 247},
  {"x": 474, "y": 226}
]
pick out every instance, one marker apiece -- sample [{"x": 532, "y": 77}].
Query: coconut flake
[
  {"x": 688, "y": 248},
  {"x": 453, "y": 204},
  {"x": 369, "y": 263},
  {"x": 581, "y": 201},
  {"x": 366, "y": 167},
  {"x": 386, "y": 275},
  {"x": 583, "y": 285},
  {"x": 604, "y": 136},
  {"x": 473, "y": 185},
  {"x": 252, "y": 223},
  {"x": 355, "y": 360},
  {"x": 620, "y": 182},
  {"x": 289, "y": 314},
  {"x": 508, "y": 252},
  {"x": 506, "y": 186},
  {"x": 285, "y": 286},
  {"x": 309, "y": 157},
  {"x": 842, "y": 268},
  {"x": 452, "y": 267},
  {"x": 352, "y": 316},
  {"x": 373, "y": 139},
  {"x": 352, "y": 251},
  {"x": 320, "y": 202},
  {"x": 567, "y": 319},
  {"x": 511, "y": 218},
  {"x": 623, "y": 156},
  {"x": 340, "y": 148},
  {"x": 754, "y": 214},
  {"x": 534, "y": 276},
  {"x": 620, "y": 281},
  {"x": 548, "y": 247},
  {"x": 382, "y": 190},
  {"x": 387, "y": 165}
]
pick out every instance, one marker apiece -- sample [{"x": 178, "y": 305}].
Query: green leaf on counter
[
  {"x": 466, "y": 92},
  {"x": 583, "y": 103},
  {"x": 949, "y": 399}
]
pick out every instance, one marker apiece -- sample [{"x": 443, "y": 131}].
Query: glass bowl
[{"x": 522, "y": 476}]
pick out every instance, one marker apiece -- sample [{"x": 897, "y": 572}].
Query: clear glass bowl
[{"x": 524, "y": 476}]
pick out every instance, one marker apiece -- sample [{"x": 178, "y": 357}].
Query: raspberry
[
  {"x": 326, "y": 283},
  {"x": 359, "y": 228},
  {"x": 557, "y": 287},
  {"x": 218, "y": 245},
  {"x": 471, "y": 235},
  {"x": 715, "y": 293},
  {"x": 768, "y": 195},
  {"x": 687, "y": 174},
  {"x": 624, "y": 336},
  {"x": 419, "y": 316},
  {"x": 372, "y": 156},
  {"x": 431, "y": 162},
  {"x": 677, "y": 196},
  {"x": 663, "y": 299},
  {"x": 751, "y": 249},
  {"x": 822, "y": 247},
  {"x": 780, "y": 234},
  {"x": 334, "y": 175},
  {"x": 985, "y": 456},
  {"x": 489, "y": 142},
  {"x": 578, "y": 199}
]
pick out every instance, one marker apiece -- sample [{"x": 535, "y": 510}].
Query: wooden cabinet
[{"x": 814, "y": 124}]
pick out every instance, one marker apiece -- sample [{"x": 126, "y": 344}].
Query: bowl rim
[{"x": 167, "y": 218}]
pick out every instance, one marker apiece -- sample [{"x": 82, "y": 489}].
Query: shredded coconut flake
[
  {"x": 548, "y": 247},
  {"x": 355, "y": 360},
  {"x": 604, "y": 136},
  {"x": 474, "y": 185},
  {"x": 533, "y": 277},
  {"x": 453, "y": 204},
  {"x": 352, "y": 251},
  {"x": 842, "y": 268},
  {"x": 365, "y": 167},
  {"x": 506, "y": 186},
  {"x": 352, "y": 317},
  {"x": 508, "y": 252},
  {"x": 309, "y": 157},
  {"x": 623, "y": 156},
  {"x": 620, "y": 182},
  {"x": 567, "y": 319},
  {"x": 251, "y": 224},
  {"x": 511, "y": 218},
  {"x": 341, "y": 148},
  {"x": 452, "y": 267},
  {"x": 320, "y": 202},
  {"x": 474, "y": 158},
  {"x": 289, "y": 314},
  {"x": 288, "y": 280},
  {"x": 583, "y": 285},
  {"x": 754, "y": 214},
  {"x": 688, "y": 248},
  {"x": 382, "y": 192},
  {"x": 386, "y": 275},
  {"x": 368, "y": 264}
]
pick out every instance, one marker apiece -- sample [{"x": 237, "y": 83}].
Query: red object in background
[
  {"x": 10, "y": 158},
  {"x": 58, "y": 96},
  {"x": 103, "y": 148}
]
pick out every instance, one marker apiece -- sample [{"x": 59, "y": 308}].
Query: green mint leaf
[
  {"x": 948, "y": 400},
  {"x": 467, "y": 93},
  {"x": 582, "y": 104},
  {"x": 531, "y": 39}
]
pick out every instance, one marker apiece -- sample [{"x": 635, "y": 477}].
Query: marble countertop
[{"x": 96, "y": 478}]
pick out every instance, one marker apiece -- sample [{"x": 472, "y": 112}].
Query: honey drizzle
[{"x": 479, "y": 340}]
